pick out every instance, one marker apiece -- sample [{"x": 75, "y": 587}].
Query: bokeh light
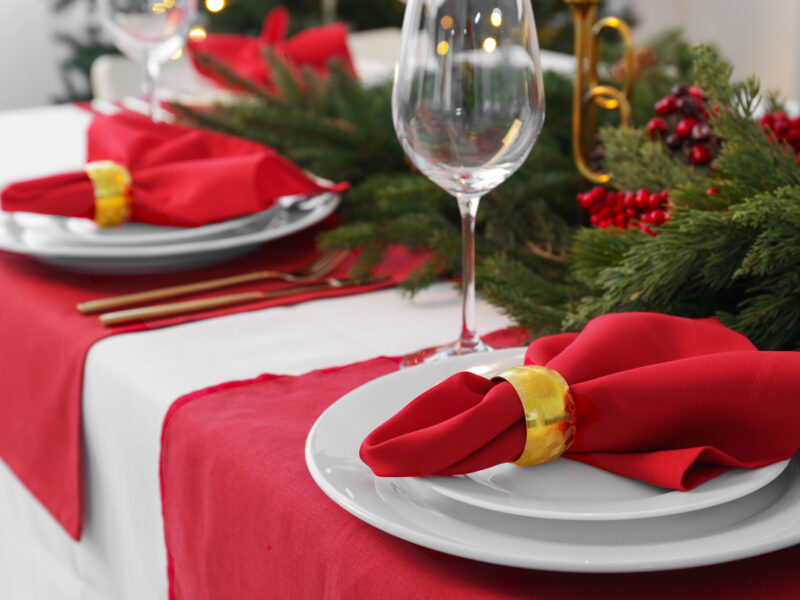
[
  {"x": 215, "y": 5},
  {"x": 197, "y": 34}
]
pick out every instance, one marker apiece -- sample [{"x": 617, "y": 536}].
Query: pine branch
[{"x": 635, "y": 162}]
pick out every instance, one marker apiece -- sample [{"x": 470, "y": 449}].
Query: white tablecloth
[{"x": 131, "y": 380}]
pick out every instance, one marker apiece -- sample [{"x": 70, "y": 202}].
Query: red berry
[
  {"x": 642, "y": 198},
  {"x": 594, "y": 220},
  {"x": 655, "y": 201},
  {"x": 666, "y": 106},
  {"x": 687, "y": 105},
  {"x": 657, "y": 127},
  {"x": 701, "y": 132},
  {"x": 684, "y": 127},
  {"x": 781, "y": 128},
  {"x": 657, "y": 217},
  {"x": 673, "y": 141},
  {"x": 696, "y": 91},
  {"x": 584, "y": 200},
  {"x": 621, "y": 221},
  {"x": 712, "y": 191},
  {"x": 629, "y": 201},
  {"x": 631, "y": 212},
  {"x": 597, "y": 194},
  {"x": 700, "y": 155},
  {"x": 793, "y": 135}
]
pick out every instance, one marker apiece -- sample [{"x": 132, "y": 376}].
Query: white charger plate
[
  {"x": 765, "y": 520},
  {"x": 151, "y": 258}
]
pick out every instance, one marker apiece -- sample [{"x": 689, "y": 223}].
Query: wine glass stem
[
  {"x": 468, "y": 206},
  {"x": 152, "y": 74}
]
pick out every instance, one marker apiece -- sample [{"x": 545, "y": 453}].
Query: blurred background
[{"x": 47, "y": 46}]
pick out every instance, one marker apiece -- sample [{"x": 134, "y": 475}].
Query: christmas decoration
[
  {"x": 684, "y": 112},
  {"x": 729, "y": 249},
  {"x": 782, "y": 128},
  {"x": 732, "y": 247},
  {"x": 525, "y": 227},
  {"x": 625, "y": 210}
]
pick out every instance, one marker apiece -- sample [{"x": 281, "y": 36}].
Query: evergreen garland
[{"x": 734, "y": 255}]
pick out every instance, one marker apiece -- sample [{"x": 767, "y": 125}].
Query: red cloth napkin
[
  {"x": 244, "y": 520},
  {"x": 666, "y": 400},
  {"x": 181, "y": 176},
  {"x": 312, "y": 48},
  {"x": 45, "y": 341}
]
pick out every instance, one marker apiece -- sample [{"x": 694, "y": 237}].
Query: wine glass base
[{"x": 440, "y": 353}]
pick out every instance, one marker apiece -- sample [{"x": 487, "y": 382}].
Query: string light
[
  {"x": 446, "y": 22},
  {"x": 159, "y": 8},
  {"x": 442, "y": 48},
  {"x": 489, "y": 44},
  {"x": 177, "y": 55},
  {"x": 497, "y": 17},
  {"x": 215, "y": 6}
]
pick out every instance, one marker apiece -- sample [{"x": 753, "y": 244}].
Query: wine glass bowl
[
  {"x": 149, "y": 32},
  {"x": 468, "y": 106}
]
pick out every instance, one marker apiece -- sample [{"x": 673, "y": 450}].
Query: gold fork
[
  {"x": 319, "y": 268},
  {"x": 160, "y": 311}
]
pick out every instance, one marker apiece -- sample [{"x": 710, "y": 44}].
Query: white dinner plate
[
  {"x": 60, "y": 231},
  {"x": 765, "y": 520},
  {"x": 150, "y": 258},
  {"x": 567, "y": 489}
]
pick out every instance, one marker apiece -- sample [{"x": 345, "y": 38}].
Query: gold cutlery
[
  {"x": 319, "y": 268},
  {"x": 160, "y": 311}
]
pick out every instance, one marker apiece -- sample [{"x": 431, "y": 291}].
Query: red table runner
[
  {"x": 244, "y": 520},
  {"x": 45, "y": 341}
]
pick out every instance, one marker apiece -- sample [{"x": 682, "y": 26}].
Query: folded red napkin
[
  {"x": 181, "y": 176},
  {"x": 665, "y": 400},
  {"x": 312, "y": 48}
]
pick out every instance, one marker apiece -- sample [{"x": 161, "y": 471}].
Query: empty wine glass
[
  {"x": 150, "y": 32},
  {"x": 468, "y": 105}
]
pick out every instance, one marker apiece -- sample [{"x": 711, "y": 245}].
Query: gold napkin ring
[
  {"x": 550, "y": 414},
  {"x": 112, "y": 192}
]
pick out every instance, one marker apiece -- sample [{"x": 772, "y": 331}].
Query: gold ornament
[
  {"x": 588, "y": 94},
  {"x": 550, "y": 414},
  {"x": 112, "y": 192}
]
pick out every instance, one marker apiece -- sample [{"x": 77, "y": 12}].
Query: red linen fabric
[
  {"x": 312, "y": 48},
  {"x": 244, "y": 520},
  {"x": 45, "y": 341},
  {"x": 665, "y": 400},
  {"x": 182, "y": 176}
]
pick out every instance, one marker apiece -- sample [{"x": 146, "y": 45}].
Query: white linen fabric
[{"x": 131, "y": 380}]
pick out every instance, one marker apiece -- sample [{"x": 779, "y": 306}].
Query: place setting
[{"x": 597, "y": 513}]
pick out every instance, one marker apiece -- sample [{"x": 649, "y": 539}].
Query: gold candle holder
[{"x": 588, "y": 94}]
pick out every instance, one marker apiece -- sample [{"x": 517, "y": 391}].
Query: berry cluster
[
  {"x": 783, "y": 128},
  {"x": 684, "y": 111},
  {"x": 626, "y": 209}
]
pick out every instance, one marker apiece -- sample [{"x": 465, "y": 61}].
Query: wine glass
[
  {"x": 150, "y": 32},
  {"x": 468, "y": 105}
]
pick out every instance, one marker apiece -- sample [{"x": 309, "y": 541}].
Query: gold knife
[{"x": 160, "y": 311}]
